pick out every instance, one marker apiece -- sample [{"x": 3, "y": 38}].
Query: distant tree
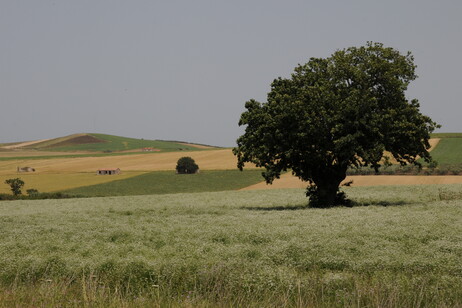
[
  {"x": 32, "y": 192},
  {"x": 15, "y": 185},
  {"x": 186, "y": 165},
  {"x": 334, "y": 113}
]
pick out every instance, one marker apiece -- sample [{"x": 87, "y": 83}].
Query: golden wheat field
[
  {"x": 64, "y": 173},
  {"x": 207, "y": 160},
  {"x": 59, "y": 181}
]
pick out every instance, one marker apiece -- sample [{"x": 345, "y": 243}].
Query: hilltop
[{"x": 101, "y": 143}]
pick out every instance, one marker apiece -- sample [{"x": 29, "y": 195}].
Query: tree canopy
[
  {"x": 186, "y": 165},
  {"x": 333, "y": 113},
  {"x": 15, "y": 185}
]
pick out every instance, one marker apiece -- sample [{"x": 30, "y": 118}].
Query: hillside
[{"x": 102, "y": 143}]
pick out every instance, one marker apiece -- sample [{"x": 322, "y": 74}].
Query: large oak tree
[{"x": 334, "y": 113}]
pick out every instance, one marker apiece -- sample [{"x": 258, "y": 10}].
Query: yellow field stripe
[{"x": 50, "y": 182}]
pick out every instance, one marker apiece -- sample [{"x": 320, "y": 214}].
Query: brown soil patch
[
  {"x": 290, "y": 181},
  {"x": 83, "y": 139}
]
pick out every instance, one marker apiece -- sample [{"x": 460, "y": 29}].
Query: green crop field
[
  {"x": 446, "y": 135},
  {"x": 448, "y": 151},
  {"x": 167, "y": 182},
  {"x": 235, "y": 249}
]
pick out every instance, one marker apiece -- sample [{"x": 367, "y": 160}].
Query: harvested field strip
[
  {"x": 23, "y": 144},
  {"x": 433, "y": 143},
  {"x": 167, "y": 182},
  {"x": 207, "y": 160},
  {"x": 199, "y": 146},
  {"x": 290, "y": 181},
  {"x": 60, "y": 181},
  {"x": 35, "y": 154}
]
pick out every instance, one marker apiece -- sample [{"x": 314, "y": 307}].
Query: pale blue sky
[{"x": 182, "y": 70}]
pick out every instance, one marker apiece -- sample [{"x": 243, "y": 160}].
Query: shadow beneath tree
[
  {"x": 353, "y": 203},
  {"x": 277, "y": 208},
  {"x": 379, "y": 203}
]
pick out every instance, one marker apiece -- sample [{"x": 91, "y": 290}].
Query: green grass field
[
  {"x": 167, "y": 182},
  {"x": 448, "y": 151},
  {"x": 446, "y": 135},
  {"x": 235, "y": 249}
]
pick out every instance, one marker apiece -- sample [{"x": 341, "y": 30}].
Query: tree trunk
[{"x": 325, "y": 192}]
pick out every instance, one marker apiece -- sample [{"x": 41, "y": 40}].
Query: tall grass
[{"x": 402, "y": 248}]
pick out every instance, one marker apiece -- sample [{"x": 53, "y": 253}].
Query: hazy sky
[{"x": 182, "y": 70}]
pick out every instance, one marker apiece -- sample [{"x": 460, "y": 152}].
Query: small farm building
[
  {"x": 26, "y": 169},
  {"x": 150, "y": 150},
  {"x": 108, "y": 171}
]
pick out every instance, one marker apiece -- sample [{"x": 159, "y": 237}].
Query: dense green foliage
[
  {"x": 167, "y": 182},
  {"x": 334, "y": 113},
  {"x": 186, "y": 165},
  {"x": 250, "y": 248},
  {"x": 15, "y": 185}
]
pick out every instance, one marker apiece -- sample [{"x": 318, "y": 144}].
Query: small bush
[
  {"x": 32, "y": 192},
  {"x": 186, "y": 165},
  {"x": 15, "y": 185}
]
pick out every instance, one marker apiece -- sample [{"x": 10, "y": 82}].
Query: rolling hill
[{"x": 106, "y": 143}]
